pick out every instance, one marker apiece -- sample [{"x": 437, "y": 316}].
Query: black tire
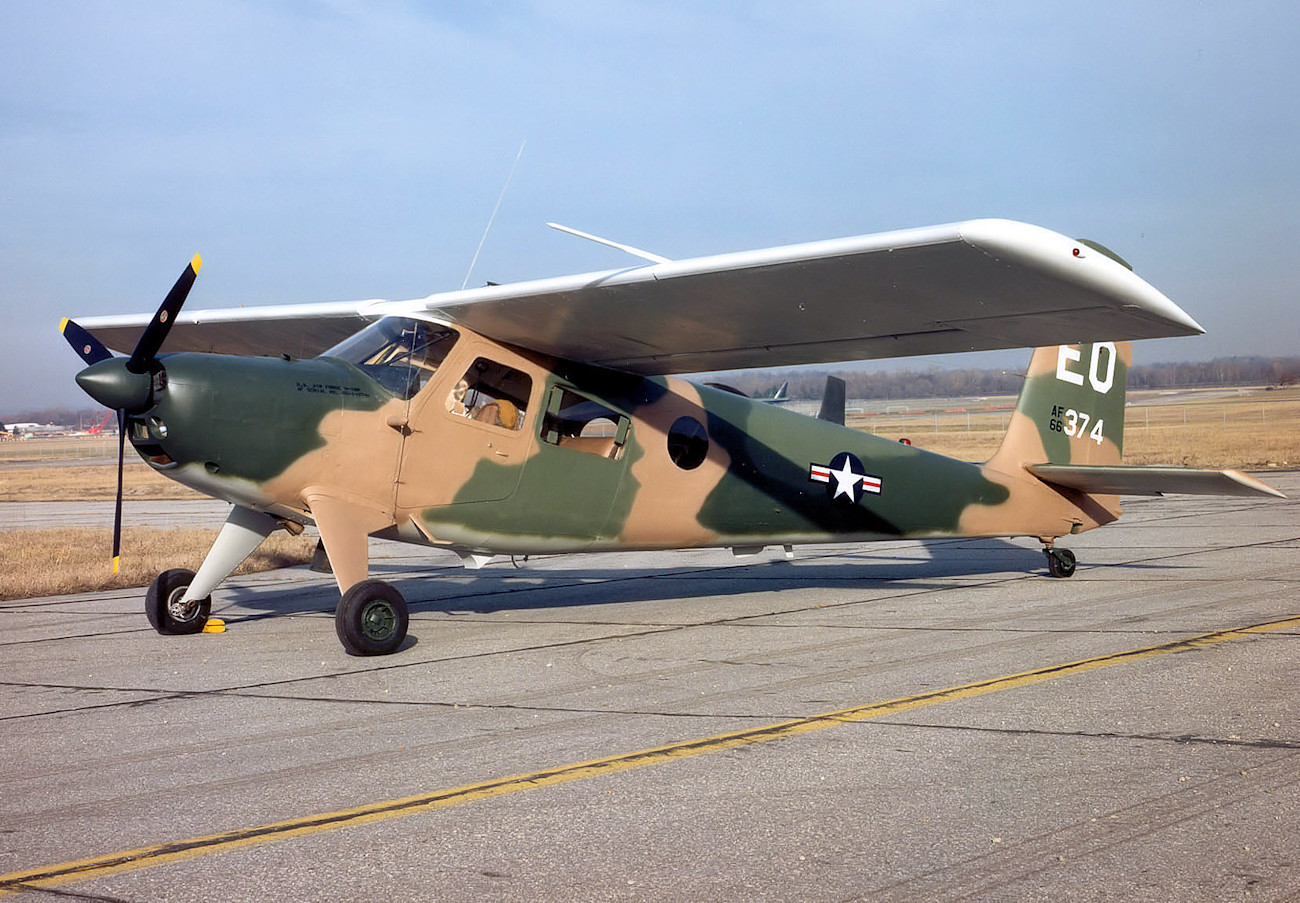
[
  {"x": 1060, "y": 562},
  {"x": 162, "y": 604},
  {"x": 371, "y": 619}
]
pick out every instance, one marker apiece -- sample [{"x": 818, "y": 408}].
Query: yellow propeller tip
[
  {"x": 63, "y": 324},
  {"x": 116, "y": 562},
  {"x": 196, "y": 261}
]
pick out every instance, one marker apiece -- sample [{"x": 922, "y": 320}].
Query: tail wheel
[
  {"x": 371, "y": 619},
  {"x": 1060, "y": 562},
  {"x": 165, "y": 610}
]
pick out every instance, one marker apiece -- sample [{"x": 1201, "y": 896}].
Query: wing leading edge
[
  {"x": 300, "y": 330},
  {"x": 970, "y": 286}
]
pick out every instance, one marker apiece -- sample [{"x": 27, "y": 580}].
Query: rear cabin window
[
  {"x": 492, "y": 393},
  {"x": 688, "y": 443},
  {"x": 583, "y": 424}
]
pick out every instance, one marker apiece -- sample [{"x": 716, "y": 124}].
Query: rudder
[{"x": 1070, "y": 409}]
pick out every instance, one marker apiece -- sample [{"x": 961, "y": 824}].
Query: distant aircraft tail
[
  {"x": 780, "y": 396},
  {"x": 832, "y": 408}
]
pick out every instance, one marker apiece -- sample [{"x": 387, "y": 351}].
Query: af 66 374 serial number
[{"x": 1075, "y": 424}]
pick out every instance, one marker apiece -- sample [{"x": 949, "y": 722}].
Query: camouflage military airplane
[{"x": 548, "y": 416}]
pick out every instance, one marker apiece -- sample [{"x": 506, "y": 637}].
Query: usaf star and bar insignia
[{"x": 845, "y": 477}]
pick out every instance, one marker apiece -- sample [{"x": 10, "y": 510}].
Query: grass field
[
  {"x": 86, "y": 483},
  {"x": 77, "y": 560},
  {"x": 1213, "y": 428},
  {"x": 1252, "y": 431}
]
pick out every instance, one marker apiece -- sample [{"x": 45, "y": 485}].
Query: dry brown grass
[
  {"x": 77, "y": 560},
  {"x": 1260, "y": 431},
  {"x": 89, "y": 482},
  {"x": 1252, "y": 432}
]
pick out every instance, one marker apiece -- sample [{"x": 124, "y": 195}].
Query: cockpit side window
[
  {"x": 492, "y": 393},
  {"x": 399, "y": 353}
]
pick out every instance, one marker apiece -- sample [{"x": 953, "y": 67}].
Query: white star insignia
[
  {"x": 850, "y": 480},
  {"x": 846, "y": 482}
]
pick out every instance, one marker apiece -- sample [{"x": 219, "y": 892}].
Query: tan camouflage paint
[
  {"x": 346, "y": 486},
  {"x": 385, "y": 466},
  {"x": 1035, "y": 508},
  {"x": 444, "y": 448},
  {"x": 1023, "y": 442},
  {"x": 669, "y": 513}
]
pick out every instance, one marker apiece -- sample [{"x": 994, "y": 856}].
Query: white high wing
[{"x": 971, "y": 286}]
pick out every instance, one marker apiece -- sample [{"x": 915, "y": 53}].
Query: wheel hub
[
  {"x": 178, "y": 610},
  {"x": 378, "y": 619}
]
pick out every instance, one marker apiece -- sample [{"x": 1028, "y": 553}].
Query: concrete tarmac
[{"x": 900, "y": 721}]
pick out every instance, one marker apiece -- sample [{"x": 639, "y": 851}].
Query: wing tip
[
  {"x": 1067, "y": 258},
  {"x": 1251, "y": 483}
]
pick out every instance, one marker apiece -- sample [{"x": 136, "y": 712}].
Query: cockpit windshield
[{"x": 399, "y": 353}]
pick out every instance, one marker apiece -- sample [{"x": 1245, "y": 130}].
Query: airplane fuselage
[{"x": 595, "y": 459}]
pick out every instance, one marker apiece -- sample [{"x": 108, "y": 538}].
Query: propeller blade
[
  {"x": 117, "y": 511},
  {"x": 91, "y": 349},
  {"x": 156, "y": 332}
]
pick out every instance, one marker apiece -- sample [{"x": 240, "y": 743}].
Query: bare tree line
[{"x": 934, "y": 382}]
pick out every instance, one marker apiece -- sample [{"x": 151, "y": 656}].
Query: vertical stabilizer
[
  {"x": 1071, "y": 408},
  {"x": 832, "y": 408}
]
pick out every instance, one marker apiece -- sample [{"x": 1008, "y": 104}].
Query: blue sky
[{"x": 336, "y": 150}]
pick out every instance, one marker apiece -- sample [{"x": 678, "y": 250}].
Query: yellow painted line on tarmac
[{"x": 145, "y": 857}]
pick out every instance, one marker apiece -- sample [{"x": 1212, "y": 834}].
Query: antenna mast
[{"x": 492, "y": 218}]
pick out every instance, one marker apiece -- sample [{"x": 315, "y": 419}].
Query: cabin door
[{"x": 470, "y": 431}]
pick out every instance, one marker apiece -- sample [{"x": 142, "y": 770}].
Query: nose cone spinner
[{"x": 111, "y": 384}]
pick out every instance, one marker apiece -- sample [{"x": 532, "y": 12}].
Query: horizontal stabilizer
[{"x": 1121, "y": 480}]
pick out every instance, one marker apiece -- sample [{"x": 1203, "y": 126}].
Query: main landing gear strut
[{"x": 371, "y": 618}]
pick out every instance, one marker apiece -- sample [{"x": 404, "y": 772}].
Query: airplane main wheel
[
  {"x": 371, "y": 619},
  {"x": 1060, "y": 562},
  {"x": 163, "y": 606}
]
